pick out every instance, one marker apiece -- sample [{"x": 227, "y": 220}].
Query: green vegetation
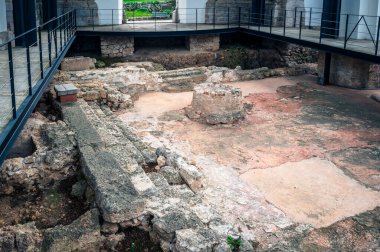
[
  {"x": 143, "y": 1},
  {"x": 138, "y": 13},
  {"x": 236, "y": 56},
  {"x": 233, "y": 243}
]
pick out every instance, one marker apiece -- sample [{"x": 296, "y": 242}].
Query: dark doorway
[
  {"x": 258, "y": 12},
  {"x": 49, "y": 10},
  {"x": 330, "y": 18},
  {"x": 24, "y": 13}
]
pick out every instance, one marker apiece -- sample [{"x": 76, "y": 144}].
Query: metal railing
[
  {"x": 348, "y": 31},
  {"x": 26, "y": 64}
]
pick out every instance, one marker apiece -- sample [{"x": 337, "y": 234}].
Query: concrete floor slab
[{"x": 313, "y": 191}]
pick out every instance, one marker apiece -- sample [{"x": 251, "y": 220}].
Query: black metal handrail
[
  {"x": 289, "y": 21},
  {"x": 33, "y": 58}
]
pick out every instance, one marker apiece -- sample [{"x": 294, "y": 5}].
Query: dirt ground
[{"x": 312, "y": 152}]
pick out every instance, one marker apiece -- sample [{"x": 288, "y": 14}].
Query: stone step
[{"x": 181, "y": 72}]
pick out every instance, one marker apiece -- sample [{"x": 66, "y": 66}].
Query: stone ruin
[{"x": 216, "y": 104}]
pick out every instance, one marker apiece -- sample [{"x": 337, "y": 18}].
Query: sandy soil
[{"x": 290, "y": 151}]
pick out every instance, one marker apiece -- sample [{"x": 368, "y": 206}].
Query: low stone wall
[
  {"x": 113, "y": 47},
  {"x": 209, "y": 43}
]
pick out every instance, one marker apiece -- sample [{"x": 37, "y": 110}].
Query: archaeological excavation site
[{"x": 189, "y": 126}]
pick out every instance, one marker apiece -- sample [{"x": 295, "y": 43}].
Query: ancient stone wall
[
  {"x": 349, "y": 72},
  {"x": 210, "y": 43},
  {"x": 112, "y": 47},
  {"x": 87, "y": 10}
]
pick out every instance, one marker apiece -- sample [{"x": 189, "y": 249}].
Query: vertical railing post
[
  {"x": 321, "y": 29},
  {"x": 250, "y": 17},
  {"x": 214, "y": 18},
  {"x": 49, "y": 43},
  {"x": 55, "y": 38},
  {"x": 295, "y": 18},
  {"x": 228, "y": 17},
  {"x": 271, "y": 21},
  {"x": 196, "y": 19},
  {"x": 284, "y": 22},
  {"x": 29, "y": 70},
  {"x": 311, "y": 11},
  {"x": 40, "y": 49},
  {"x": 239, "y": 21},
  {"x": 155, "y": 21},
  {"x": 112, "y": 19},
  {"x": 133, "y": 13},
  {"x": 346, "y": 31},
  {"x": 75, "y": 19},
  {"x": 60, "y": 31},
  {"x": 92, "y": 18},
  {"x": 377, "y": 36},
  {"x": 12, "y": 80},
  {"x": 300, "y": 35}
]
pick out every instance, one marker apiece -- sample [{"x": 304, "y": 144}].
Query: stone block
[
  {"x": 216, "y": 103},
  {"x": 346, "y": 71},
  {"x": 77, "y": 64},
  {"x": 171, "y": 175},
  {"x": 191, "y": 240},
  {"x": 190, "y": 174},
  {"x": 81, "y": 235},
  {"x": 209, "y": 43}
]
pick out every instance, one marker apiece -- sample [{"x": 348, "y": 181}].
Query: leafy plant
[
  {"x": 133, "y": 247},
  {"x": 234, "y": 243}
]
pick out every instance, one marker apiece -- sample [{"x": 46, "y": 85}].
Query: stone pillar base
[
  {"x": 113, "y": 47},
  {"x": 209, "y": 43},
  {"x": 350, "y": 72}
]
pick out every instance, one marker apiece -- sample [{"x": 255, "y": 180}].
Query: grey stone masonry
[
  {"x": 78, "y": 63},
  {"x": 209, "y": 43},
  {"x": 112, "y": 47},
  {"x": 349, "y": 72}
]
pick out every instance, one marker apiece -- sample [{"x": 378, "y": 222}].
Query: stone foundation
[
  {"x": 350, "y": 72},
  {"x": 210, "y": 43},
  {"x": 78, "y": 64},
  {"x": 112, "y": 47},
  {"x": 216, "y": 103}
]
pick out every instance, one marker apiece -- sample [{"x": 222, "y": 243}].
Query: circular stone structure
[{"x": 216, "y": 104}]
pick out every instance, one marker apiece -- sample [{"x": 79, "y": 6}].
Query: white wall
[
  {"x": 187, "y": 10},
  {"x": 313, "y": 7},
  {"x": 105, "y": 10},
  {"x": 3, "y": 16},
  {"x": 355, "y": 9}
]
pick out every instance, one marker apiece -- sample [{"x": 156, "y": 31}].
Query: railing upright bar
[
  {"x": 320, "y": 30},
  {"x": 377, "y": 36},
  {"x": 271, "y": 21},
  {"x": 284, "y": 22},
  {"x": 49, "y": 44},
  {"x": 346, "y": 31},
  {"x": 112, "y": 19},
  {"x": 228, "y": 17},
  {"x": 214, "y": 18},
  {"x": 301, "y": 25},
  {"x": 55, "y": 39},
  {"x": 92, "y": 19},
  {"x": 60, "y": 31},
  {"x": 40, "y": 49},
  {"x": 12, "y": 80},
  {"x": 196, "y": 19},
  {"x": 239, "y": 21},
  {"x": 29, "y": 71},
  {"x": 311, "y": 11}
]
